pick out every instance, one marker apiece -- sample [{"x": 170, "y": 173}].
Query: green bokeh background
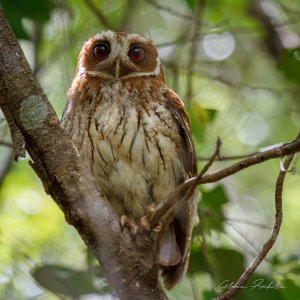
[{"x": 240, "y": 92}]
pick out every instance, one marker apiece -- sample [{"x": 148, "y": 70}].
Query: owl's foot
[
  {"x": 129, "y": 224},
  {"x": 145, "y": 220}
]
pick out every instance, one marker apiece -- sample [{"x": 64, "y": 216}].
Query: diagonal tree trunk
[{"x": 128, "y": 263}]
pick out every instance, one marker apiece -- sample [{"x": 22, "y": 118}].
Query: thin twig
[
  {"x": 6, "y": 144},
  {"x": 230, "y": 220},
  {"x": 248, "y": 243},
  {"x": 179, "y": 41},
  {"x": 202, "y": 72},
  {"x": 166, "y": 205},
  {"x": 230, "y": 157},
  {"x": 100, "y": 16},
  {"x": 170, "y": 10},
  {"x": 170, "y": 202},
  {"x": 213, "y": 214},
  {"x": 270, "y": 242},
  {"x": 281, "y": 151},
  {"x": 240, "y": 245}
]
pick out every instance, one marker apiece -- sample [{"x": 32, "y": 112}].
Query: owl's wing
[
  {"x": 178, "y": 111},
  {"x": 185, "y": 218}
]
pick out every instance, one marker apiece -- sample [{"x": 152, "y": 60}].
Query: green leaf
[
  {"x": 208, "y": 295},
  {"x": 192, "y": 3},
  {"x": 275, "y": 260},
  {"x": 200, "y": 118},
  {"x": 212, "y": 113},
  {"x": 290, "y": 290},
  {"x": 66, "y": 281},
  {"x": 211, "y": 207},
  {"x": 289, "y": 65},
  {"x": 226, "y": 264},
  {"x": 14, "y": 17},
  {"x": 288, "y": 265},
  {"x": 214, "y": 199},
  {"x": 17, "y": 10}
]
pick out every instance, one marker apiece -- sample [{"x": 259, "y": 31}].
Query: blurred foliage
[
  {"x": 241, "y": 92},
  {"x": 211, "y": 209},
  {"x": 289, "y": 65},
  {"x": 66, "y": 281},
  {"x": 17, "y": 10}
]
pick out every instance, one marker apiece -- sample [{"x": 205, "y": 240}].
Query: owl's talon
[
  {"x": 145, "y": 220},
  {"x": 129, "y": 224},
  {"x": 145, "y": 223},
  {"x": 151, "y": 210},
  {"x": 156, "y": 231},
  {"x": 158, "y": 227}
]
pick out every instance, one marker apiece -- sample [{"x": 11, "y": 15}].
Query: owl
[{"x": 133, "y": 134}]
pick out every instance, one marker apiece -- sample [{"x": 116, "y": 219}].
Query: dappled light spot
[
  {"x": 255, "y": 129},
  {"x": 218, "y": 46},
  {"x": 30, "y": 202}
]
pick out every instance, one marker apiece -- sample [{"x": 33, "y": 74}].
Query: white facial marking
[{"x": 119, "y": 49}]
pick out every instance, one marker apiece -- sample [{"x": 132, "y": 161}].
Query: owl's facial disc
[
  {"x": 117, "y": 62},
  {"x": 116, "y": 56}
]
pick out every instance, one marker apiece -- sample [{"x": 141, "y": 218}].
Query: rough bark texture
[{"x": 126, "y": 261}]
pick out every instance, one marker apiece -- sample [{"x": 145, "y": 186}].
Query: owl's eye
[
  {"x": 101, "y": 51},
  {"x": 137, "y": 53}
]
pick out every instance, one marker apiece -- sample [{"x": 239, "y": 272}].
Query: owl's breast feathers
[{"x": 135, "y": 137}]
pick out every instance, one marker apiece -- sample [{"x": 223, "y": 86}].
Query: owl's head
[{"x": 119, "y": 55}]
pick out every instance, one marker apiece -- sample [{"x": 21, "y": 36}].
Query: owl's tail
[
  {"x": 173, "y": 260},
  {"x": 174, "y": 275}
]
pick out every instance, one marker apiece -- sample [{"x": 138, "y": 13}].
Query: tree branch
[
  {"x": 225, "y": 158},
  {"x": 6, "y": 144},
  {"x": 270, "y": 242},
  {"x": 277, "y": 152},
  {"x": 128, "y": 263},
  {"x": 170, "y": 202}
]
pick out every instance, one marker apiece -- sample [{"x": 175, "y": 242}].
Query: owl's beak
[{"x": 117, "y": 69}]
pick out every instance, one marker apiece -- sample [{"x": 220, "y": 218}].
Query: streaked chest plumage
[{"x": 129, "y": 140}]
